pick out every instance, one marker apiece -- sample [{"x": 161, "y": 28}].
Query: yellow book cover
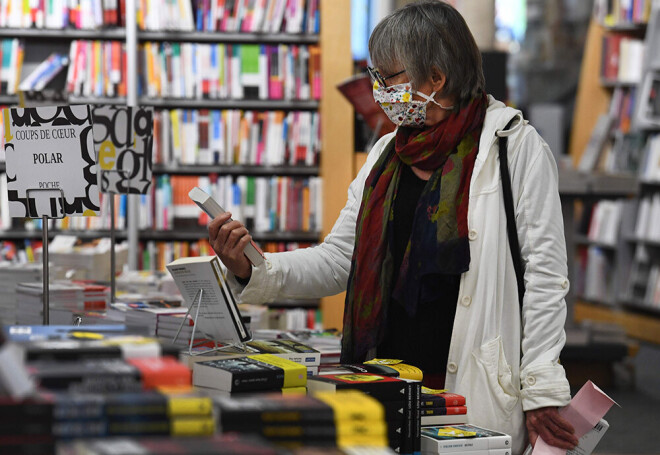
[
  {"x": 352, "y": 405},
  {"x": 295, "y": 374},
  {"x": 192, "y": 426},
  {"x": 188, "y": 404}
]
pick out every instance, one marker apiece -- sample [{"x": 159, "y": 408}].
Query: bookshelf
[
  {"x": 334, "y": 168},
  {"x": 629, "y": 261}
]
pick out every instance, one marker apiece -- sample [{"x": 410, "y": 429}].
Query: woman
[{"x": 421, "y": 245}]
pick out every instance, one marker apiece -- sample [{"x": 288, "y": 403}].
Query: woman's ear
[{"x": 438, "y": 80}]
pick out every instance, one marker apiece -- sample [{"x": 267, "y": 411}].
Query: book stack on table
[
  {"x": 399, "y": 397},
  {"x": 344, "y": 419},
  {"x": 438, "y": 407},
  {"x": 464, "y": 439}
]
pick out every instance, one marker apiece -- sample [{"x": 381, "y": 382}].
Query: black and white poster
[
  {"x": 123, "y": 137},
  {"x": 51, "y": 162}
]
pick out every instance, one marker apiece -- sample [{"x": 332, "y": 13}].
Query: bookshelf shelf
[
  {"x": 16, "y": 234},
  {"x": 646, "y": 242},
  {"x": 229, "y": 104},
  {"x": 72, "y": 99},
  {"x": 607, "y": 83},
  {"x": 236, "y": 170},
  {"x": 196, "y": 234},
  {"x": 67, "y": 34},
  {"x": 626, "y": 27},
  {"x": 642, "y": 307},
  {"x": 214, "y": 37},
  {"x": 598, "y": 302},
  {"x": 585, "y": 240},
  {"x": 8, "y": 100},
  {"x": 638, "y": 326}
]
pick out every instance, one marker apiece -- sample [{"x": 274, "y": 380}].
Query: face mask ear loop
[{"x": 431, "y": 98}]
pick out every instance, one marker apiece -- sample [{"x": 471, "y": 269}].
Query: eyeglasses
[{"x": 377, "y": 77}]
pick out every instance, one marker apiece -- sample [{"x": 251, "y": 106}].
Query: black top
[{"x": 423, "y": 339}]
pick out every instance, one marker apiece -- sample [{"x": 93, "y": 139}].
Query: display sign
[
  {"x": 51, "y": 162},
  {"x": 123, "y": 137}
]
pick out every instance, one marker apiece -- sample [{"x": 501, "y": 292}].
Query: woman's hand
[
  {"x": 553, "y": 428},
  {"x": 228, "y": 240}
]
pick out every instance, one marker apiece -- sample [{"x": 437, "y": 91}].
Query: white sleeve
[
  {"x": 543, "y": 250},
  {"x": 317, "y": 271}
]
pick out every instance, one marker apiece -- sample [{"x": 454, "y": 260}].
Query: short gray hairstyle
[{"x": 425, "y": 35}]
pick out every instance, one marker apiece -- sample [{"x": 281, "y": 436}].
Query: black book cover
[
  {"x": 270, "y": 409},
  {"x": 383, "y": 388},
  {"x": 239, "y": 374},
  {"x": 109, "y": 375}
]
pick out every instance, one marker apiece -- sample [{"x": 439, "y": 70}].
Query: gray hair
[{"x": 425, "y": 35}]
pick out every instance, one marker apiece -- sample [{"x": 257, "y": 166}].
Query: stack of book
[
  {"x": 70, "y": 297},
  {"x": 228, "y": 444},
  {"x": 147, "y": 320},
  {"x": 252, "y": 373},
  {"x": 109, "y": 375},
  {"x": 291, "y": 350},
  {"x": 344, "y": 419},
  {"x": 36, "y": 423},
  {"x": 464, "y": 439},
  {"x": 399, "y": 397},
  {"x": 10, "y": 276},
  {"x": 438, "y": 407},
  {"x": 90, "y": 261}
]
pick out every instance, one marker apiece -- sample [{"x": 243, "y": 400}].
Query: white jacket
[{"x": 484, "y": 356}]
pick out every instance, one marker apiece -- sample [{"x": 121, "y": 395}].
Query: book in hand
[
  {"x": 463, "y": 438},
  {"x": 213, "y": 209},
  {"x": 219, "y": 317},
  {"x": 587, "y": 443},
  {"x": 252, "y": 373}
]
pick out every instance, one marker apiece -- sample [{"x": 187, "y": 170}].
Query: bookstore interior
[{"x": 127, "y": 325}]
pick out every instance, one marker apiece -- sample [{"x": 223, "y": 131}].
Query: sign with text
[
  {"x": 123, "y": 137},
  {"x": 51, "y": 163}
]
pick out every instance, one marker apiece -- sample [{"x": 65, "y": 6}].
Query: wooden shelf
[
  {"x": 185, "y": 103},
  {"x": 638, "y": 326},
  {"x": 626, "y": 27},
  {"x": 642, "y": 307},
  {"x": 235, "y": 169}
]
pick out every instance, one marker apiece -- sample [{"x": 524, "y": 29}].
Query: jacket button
[
  {"x": 472, "y": 234},
  {"x": 452, "y": 367},
  {"x": 531, "y": 380},
  {"x": 564, "y": 284},
  {"x": 466, "y": 300}
]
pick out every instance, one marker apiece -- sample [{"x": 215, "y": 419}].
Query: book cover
[
  {"x": 431, "y": 398},
  {"x": 460, "y": 438},
  {"x": 51, "y": 162},
  {"x": 123, "y": 139},
  {"x": 449, "y": 410},
  {"x": 87, "y": 376},
  {"x": 383, "y": 388},
  {"x": 259, "y": 372},
  {"x": 218, "y": 317}
]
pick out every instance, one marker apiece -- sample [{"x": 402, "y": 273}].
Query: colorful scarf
[{"x": 440, "y": 226}]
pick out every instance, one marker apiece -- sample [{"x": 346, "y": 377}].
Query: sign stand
[
  {"x": 113, "y": 239},
  {"x": 197, "y": 301},
  {"x": 44, "y": 249}
]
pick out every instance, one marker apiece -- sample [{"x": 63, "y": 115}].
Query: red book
[
  {"x": 162, "y": 372},
  {"x": 439, "y": 400},
  {"x": 444, "y": 411}
]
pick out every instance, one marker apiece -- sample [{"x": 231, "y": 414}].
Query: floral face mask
[{"x": 397, "y": 102}]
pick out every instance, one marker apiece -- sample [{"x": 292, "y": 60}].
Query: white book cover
[
  {"x": 219, "y": 318},
  {"x": 123, "y": 138},
  {"x": 452, "y": 439},
  {"x": 51, "y": 163}
]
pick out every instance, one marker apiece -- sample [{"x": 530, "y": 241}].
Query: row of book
[
  {"x": 267, "y": 16},
  {"x": 271, "y": 138},
  {"x": 644, "y": 279},
  {"x": 649, "y": 170},
  {"x": 235, "y": 71},
  {"x": 613, "y": 13},
  {"x": 648, "y": 218},
  {"x": 594, "y": 277},
  {"x": 263, "y": 204},
  {"x": 11, "y": 57},
  {"x": 605, "y": 224},
  {"x": 622, "y": 59}
]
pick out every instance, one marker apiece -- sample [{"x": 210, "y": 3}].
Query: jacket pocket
[{"x": 494, "y": 377}]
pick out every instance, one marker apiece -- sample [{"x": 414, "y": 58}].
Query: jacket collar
[{"x": 497, "y": 117}]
